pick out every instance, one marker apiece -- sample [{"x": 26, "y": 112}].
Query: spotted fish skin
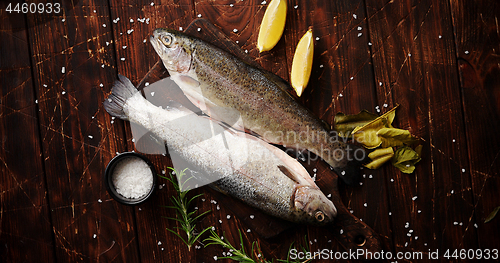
[
  {"x": 244, "y": 166},
  {"x": 250, "y": 99}
]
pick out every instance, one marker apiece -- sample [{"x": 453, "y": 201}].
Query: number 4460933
[{"x": 40, "y": 8}]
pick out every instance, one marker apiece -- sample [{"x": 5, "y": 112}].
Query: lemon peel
[
  {"x": 302, "y": 63},
  {"x": 272, "y": 26}
]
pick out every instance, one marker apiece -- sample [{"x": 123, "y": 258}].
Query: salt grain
[{"x": 132, "y": 178}]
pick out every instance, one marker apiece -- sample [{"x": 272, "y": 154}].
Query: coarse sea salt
[{"x": 132, "y": 178}]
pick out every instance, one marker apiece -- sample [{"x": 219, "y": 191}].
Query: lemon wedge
[
  {"x": 272, "y": 25},
  {"x": 302, "y": 63}
]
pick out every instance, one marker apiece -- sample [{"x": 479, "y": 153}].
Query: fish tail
[{"x": 122, "y": 90}]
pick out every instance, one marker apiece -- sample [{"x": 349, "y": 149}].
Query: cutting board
[{"x": 349, "y": 231}]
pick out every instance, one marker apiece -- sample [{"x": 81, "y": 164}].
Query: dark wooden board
[
  {"x": 78, "y": 137},
  {"x": 52, "y": 200},
  {"x": 478, "y": 42},
  {"x": 25, "y": 221},
  {"x": 416, "y": 68}
]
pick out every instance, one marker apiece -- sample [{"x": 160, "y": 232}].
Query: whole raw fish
[
  {"x": 250, "y": 99},
  {"x": 246, "y": 167}
]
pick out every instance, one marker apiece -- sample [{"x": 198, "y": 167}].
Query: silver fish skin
[
  {"x": 250, "y": 99},
  {"x": 248, "y": 168}
]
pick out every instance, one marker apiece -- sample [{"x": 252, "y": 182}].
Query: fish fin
[
  {"x": 288, "y": 173},
  {"x": 189, "y": 80},
  {"x": 122, "y": 90},
  {"x": 279, "y": 81}
]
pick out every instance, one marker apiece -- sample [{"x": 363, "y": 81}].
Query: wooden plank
[
  {"x": 477, "y": 38},
  {"x": 72, "y": 68},
  {"x": 133, "y": 23},
  {"x": 415, "y": 66},
  {"x": 25, "y": 223},
  {"x": 341, "y": 81}
]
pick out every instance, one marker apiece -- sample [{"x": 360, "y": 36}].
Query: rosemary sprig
[
  {"x": 187, "y": 220},
  {"x": 241, "y": 255}
]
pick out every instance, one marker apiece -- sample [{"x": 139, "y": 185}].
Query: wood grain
[
  {"x": 437, "y": 59},
  {"x": 479, "y": 67},
  {"x": 79, "y": 138},
  {"x": 416, "y": 68},
  {"x": 25, "y": 221}
]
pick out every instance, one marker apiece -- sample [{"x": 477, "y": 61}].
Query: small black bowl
[{"x": 108, "y": 179}]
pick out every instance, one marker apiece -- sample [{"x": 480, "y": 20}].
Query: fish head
[
  {"x": 316, "y": 208},
  {"x": 174, "y": 48}
]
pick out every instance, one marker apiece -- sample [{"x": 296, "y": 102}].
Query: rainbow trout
[
  {"x": 250, "y": 99},
  {"x": 243, "y": 165}
]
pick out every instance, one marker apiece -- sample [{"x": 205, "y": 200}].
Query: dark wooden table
[{"x": 439, "y": 60}]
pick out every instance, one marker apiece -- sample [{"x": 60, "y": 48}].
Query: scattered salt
[
  {"x": 263, "y": 3},
  {"x": 297, "y": 6},
  {"x": 132, "y": 178},
  {"x": 94, "y": 236},
  {"x": 63, "y": 70},
  {"x": 317, "y": 38},
  {"x": 235, "y": 30},
  {"x": 360, "y": 34},
  {"x": 131, "y": 20},
  {"x": 199, "y": 15},
  {"x": 466, "y": 52},
  {"x": 355, "y": 16},
  {"x": 365, "y": 205},
  {"x": 252, "y": 216},
  {"x": 199, "y": 29},
  {"x": 463, "y": 170},
  {"x": 103, "y": 25}
]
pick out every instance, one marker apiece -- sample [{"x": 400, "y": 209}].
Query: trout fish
[
  {"x": 251, "y": 100},
  {"x": 246, "y": 167}
]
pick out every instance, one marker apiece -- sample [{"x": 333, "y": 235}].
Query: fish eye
[
  {"x": 166, "y": 40},
  {"x": 319, "y": 216}
]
